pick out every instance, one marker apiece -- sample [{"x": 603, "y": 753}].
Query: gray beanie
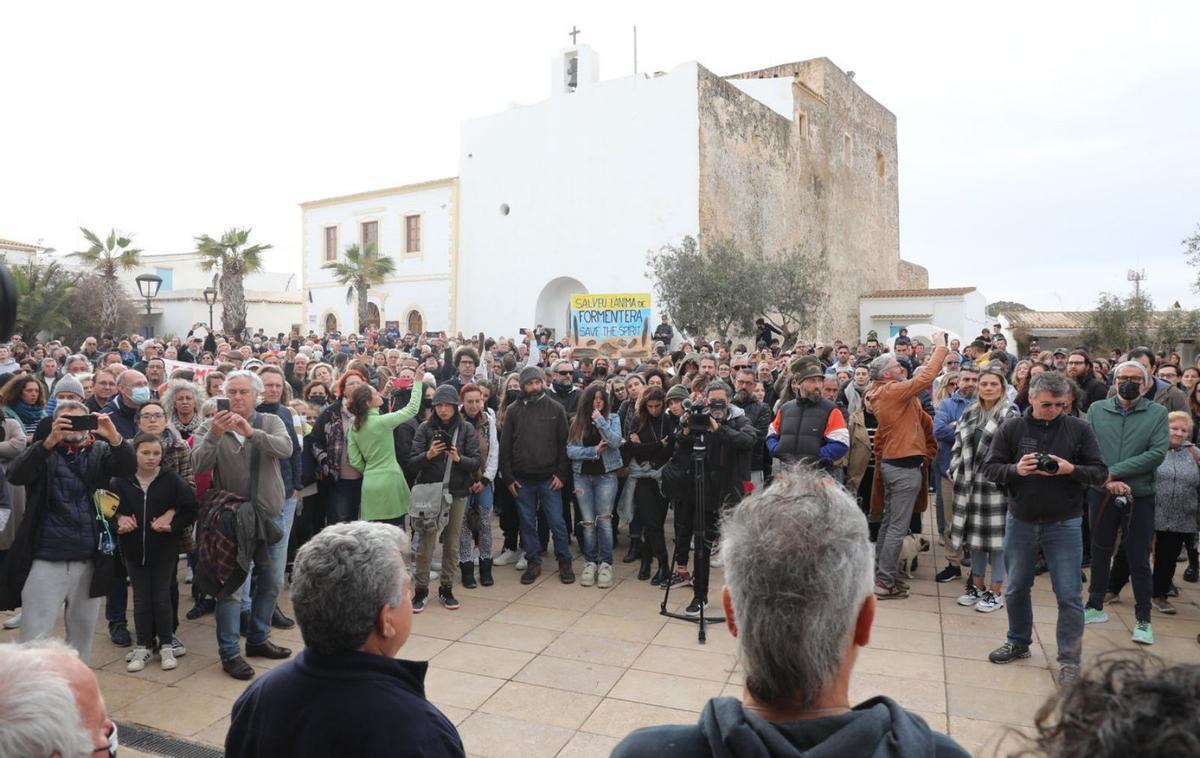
[
  {"x": 68, "y": 384},
  {"x": 532, "y": 373},
  {"x": 445, "y": 395}
]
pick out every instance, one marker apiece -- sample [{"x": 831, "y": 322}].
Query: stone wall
[{"x": 826, "y": 179}]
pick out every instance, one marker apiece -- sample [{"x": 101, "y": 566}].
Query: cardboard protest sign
[
  {"x": 199, "y": 370},
  {"x": 611, "y": 325}
]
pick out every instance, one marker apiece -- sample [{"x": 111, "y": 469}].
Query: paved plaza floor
[{"x": 554, "y": 670}]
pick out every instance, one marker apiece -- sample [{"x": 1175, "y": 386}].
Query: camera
[
  {"x": 698, "y": 415},
  {"x": 1121, "y": 501},
  {"x": 1046, "y": 463}
]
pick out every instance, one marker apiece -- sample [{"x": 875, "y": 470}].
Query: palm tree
[
  {"x": 233, "y": 259},
  {"x": 43, "y": 292},
  {"x": 360, "y": 270},
  {"x": 107, "y": 258}
]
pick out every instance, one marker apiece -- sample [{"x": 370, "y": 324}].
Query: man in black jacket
[
  {"x": 760, "y": 418},
  {"x": 562, "y": 386},
  {"x": 351, "y": 595},
  {"x": 1045, "y": 460},
  {"x": 729, "y": 440},
  {"x": 1079, "y": 369},
  {"x": 533, "y": 460},
  {"x": 62, "y": 551}
]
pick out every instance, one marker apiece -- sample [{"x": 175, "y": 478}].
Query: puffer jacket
[
  {"x": 1177, "y": 491},
  {"x": 432, "y": 471},
  {"x": 35, "y": 469}
]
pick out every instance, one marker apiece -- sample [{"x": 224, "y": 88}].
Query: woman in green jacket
[{"x": 372, "y": 450}]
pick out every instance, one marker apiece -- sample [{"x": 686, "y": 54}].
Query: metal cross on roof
[{"x": 573, "y": 33}]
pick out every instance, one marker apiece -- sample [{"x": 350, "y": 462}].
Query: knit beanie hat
[
  {"x": 446, "y": 395},
  {"x": 678, "y": 392},
  {"x": 68, "y": 384},
  {"x": 532, "y": 373}
]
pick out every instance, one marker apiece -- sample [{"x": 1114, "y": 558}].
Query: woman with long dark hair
[
  {"x": 594, "y": 447},
  {"x": 25, "y": 400},
  {"x": 650, "y": 444},
  {"x": 371, "y": 450},
  {"x": 339, "y": 483}
]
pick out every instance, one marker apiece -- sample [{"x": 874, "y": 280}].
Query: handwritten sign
[
  {"x": 199, "y": 370},
  {"x": 613, "y": 325}
]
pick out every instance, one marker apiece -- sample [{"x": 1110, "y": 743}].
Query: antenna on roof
[
  {"x": 1136, "y": 276},
  {"x": 635, "y": 50}
]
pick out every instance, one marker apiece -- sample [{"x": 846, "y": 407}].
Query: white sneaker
[
  {"x": 714, "y": 559},
  {"x": 989, "y": 601},
  {"x": 970, "y": 597},
  {"x": 191, "y": 576},
  {"x": 506, "y": 557},
  {"x": 433, "y": 575},
  {"x": 588, "y": 577},
  {"x": 604, "y": 577},
  {"x": 167, "y": 654},
  {"x": 522, "y": 564},
  {"x": 13, "y": 622},
  {"x": 138, "y": 658},
  {"x": 436, "y": 564}
]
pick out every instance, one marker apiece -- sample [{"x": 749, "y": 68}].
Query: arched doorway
[
  {"x": 416, "y": 322},
  {"x": 554, "y": 303},
  {"x": 373, "y": 318},
  {"x": 330, "y": 323}
]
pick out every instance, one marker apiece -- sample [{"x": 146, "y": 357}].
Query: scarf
[
  {"x": 188, "y": 429},
  {"x": 29, "y": 414}
]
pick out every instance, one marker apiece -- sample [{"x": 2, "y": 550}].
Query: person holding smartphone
[{"x": 64, "y": 549}]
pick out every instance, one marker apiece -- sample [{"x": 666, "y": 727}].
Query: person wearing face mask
[
  {"x": 505, "y": 504},
  {"x": 64, "y": 549},
  {"x": 1134, "y": 438},
  {"x": 478, "y": 511},
  {"x": 133, "y": 389},
  {"x": 67, "y": 388},
  {"x": 339, "y": 484}
]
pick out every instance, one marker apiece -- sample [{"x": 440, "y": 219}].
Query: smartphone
[
  {"x": 222, "y": 404},
  {"x": 83, "y": 423},
  {"x": 401, "y": 383},
  {"x": 442, "y": 437}
]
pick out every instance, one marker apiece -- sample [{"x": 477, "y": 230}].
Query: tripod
[{"x": 699, "y": 449}]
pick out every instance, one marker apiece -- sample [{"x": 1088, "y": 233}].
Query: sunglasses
[
  {"x": 564, "y": 373},
  {"x": 1059, "y": 404}
]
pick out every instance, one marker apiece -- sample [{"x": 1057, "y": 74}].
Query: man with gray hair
[
  {"x": 798, "y": 598},
  {"x": 1044, "y": 459},
  {"x": 229, "y": 444},
  {"x": 1134, "y": 437},
  {"x": 353, "y": 601},
  {"x": 50, "y": 704}
]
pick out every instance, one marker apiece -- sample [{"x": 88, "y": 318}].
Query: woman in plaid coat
[{"x": 980, "y": 505}]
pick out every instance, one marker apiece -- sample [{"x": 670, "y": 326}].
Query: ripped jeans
[{"x": 596, "y": 494}]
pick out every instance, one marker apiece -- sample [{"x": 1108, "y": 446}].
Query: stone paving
[{"x": 554, "y": 670}]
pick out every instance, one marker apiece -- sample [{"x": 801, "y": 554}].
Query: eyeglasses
[
  {"x": 564, "y": 373},
  {"x": 1059, "y": 404}
]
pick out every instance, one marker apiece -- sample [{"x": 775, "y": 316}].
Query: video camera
[{"x": 699, "y": 415}]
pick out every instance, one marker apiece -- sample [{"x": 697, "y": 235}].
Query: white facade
[
  {"x": 419, "y": 293},
  {"x": 19, "y": 253},
  {"x": 568, "y": 195},
  {"x": 960, "y": 310}
]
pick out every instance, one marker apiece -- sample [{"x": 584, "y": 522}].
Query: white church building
[{"x": 568, "y": 195}]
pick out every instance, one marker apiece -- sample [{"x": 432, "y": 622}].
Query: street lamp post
[
  {"x": 210, "y": 297},
  {"x": 148, "y": 285}
]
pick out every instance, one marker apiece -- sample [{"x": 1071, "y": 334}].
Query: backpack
[{"x": 217, "y": 569}]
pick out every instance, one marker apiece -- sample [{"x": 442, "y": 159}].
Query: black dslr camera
[{"x": 1046, "y": 463}]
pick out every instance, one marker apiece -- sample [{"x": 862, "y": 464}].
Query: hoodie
[{"x": 877, "y": 727}]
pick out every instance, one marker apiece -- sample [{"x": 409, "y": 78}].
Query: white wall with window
[{"x": 414, "y": 225}]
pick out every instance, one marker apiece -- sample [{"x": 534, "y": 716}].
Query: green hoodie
[{"x": 1133, "y": 444}]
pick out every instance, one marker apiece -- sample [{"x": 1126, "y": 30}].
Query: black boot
[
  {"x": 647, "y": 559},
  {"x": 1192, "y": 572},
  {"x": 663, "y": 575},
  {"x": 635, "y": 549},
  {"x": 485, "y": 572},
  {"x": 468, "y": 574}
]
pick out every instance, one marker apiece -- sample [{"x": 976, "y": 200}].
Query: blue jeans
[
  {"x": 596, "y": 494},
  {"x": 347, "y": 499},
  {"x": 257, "y": 595},
  {"x": 980, "y": 561},
  {"x": 535, "y": 492},
  {"x": 1062, "y": 545}
]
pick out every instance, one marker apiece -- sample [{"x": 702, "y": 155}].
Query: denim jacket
[{"x": 610, "y": 431}]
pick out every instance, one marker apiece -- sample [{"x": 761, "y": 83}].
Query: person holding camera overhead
[
  {"x": 446, "y": 439},
  {"x": 729, "y": 439},
  {"x": 370, "y": 450},
  {"x": 1044, "y": 460},
  {"x": 1134, "y": 436}
]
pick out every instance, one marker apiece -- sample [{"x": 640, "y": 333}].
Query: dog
[{"x": 912, "y": 545}]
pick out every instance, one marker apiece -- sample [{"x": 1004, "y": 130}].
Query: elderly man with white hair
[
  {"x": 353, "y": 600},
  {"x": 243, "y": 448},
  {"x": 798, "y": 597},
  {"x": 50, "y": 704}
]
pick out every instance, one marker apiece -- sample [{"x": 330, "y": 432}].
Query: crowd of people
[{"x": 257, "y": 452}]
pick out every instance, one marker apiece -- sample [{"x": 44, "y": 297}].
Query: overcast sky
[{"x": 1045, "y": 148}]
